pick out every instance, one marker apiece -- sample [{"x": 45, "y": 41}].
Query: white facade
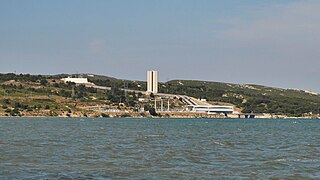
[
  {"x": 213, "y": 109},
  {"x": 152, "y": 82},
  {"x": 76, "y": 80}
]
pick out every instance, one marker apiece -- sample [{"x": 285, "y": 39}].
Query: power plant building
[
  {"x": 83, "y": 81},
  {"x": 152, "y": 82}
]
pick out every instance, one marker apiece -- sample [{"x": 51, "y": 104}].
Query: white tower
[{"x": 152, "y": 82}]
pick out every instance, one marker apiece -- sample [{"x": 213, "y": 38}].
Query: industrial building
[
  {"x": 83, "y": 81},
  {"x": 212, "y": 109},
  {"x": 152, "y": 82}
]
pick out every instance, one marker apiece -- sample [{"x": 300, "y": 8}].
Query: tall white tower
[{"x": 152, "y": 82}]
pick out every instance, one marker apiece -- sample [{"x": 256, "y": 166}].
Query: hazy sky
[{"x": 269, "y": 42}]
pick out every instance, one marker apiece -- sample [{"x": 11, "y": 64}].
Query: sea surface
[{"x": 102, "y": 148}]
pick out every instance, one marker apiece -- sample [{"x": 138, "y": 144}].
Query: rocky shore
[{"x": 126, "y": 114}]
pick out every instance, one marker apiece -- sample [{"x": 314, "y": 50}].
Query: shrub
[
  {"x": 104, "y": 115},
  {"x": 43, "y": 82},
  {"x": 6, "y": 101},
  {"x": 153, "y": 112}
]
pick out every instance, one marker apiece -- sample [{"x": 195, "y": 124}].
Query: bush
[
  {"x": 104, "y": 115},
  {"x": 6, "y": 101},
  {"x": 146, "y": 107},
  {"x": 19, "y": 105},
  {"x": 125, "y": 115},
  {"x": 153, "y": 112},
  {"x": 43, "y": 82},
  {"x": 15, "y": 112}
]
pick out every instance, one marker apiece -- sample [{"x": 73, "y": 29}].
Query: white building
[
  {"x": 76, "y": 80},
  {"x": 212, "y": 109},
  {"x": 152, "y": 82}
]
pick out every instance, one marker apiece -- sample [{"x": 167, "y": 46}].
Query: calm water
[{"x": 66, "y": 148}]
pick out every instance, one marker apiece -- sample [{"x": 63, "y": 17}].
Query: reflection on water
[{"x": 75, "y": 148}]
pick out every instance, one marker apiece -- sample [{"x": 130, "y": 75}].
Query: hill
[{"x": 248, "y": 97}]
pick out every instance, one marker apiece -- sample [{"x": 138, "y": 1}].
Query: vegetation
[
  {"x": 153, "y": 112},
  {"x": 25, "y": 93},
  {"x": 39, "y": 95},
  {"x": 251, "y": 98}
]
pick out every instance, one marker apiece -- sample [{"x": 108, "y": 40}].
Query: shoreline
[{"x": 156, "y": 117}]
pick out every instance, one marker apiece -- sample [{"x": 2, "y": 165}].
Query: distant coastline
[
  {"x": 25, "y": 95},
  {"x": 163, "y": 115}
]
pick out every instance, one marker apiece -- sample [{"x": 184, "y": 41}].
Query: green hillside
[
  {"x": 101, "y": 80},
  {"x": 43, "y": 95},
  {"x": 250, "y": 98}
]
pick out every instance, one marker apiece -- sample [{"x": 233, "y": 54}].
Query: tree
[
  {"x": 153, "y": 112},
  {"x": 146, "y": 107},
  {"x": 43, "y": 82}
]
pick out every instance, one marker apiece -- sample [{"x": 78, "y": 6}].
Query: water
[{"x": 76, "y": 148}]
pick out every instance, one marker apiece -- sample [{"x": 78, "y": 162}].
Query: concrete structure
[
  {"x": 77, "y": 80},
  {"x": 212, "y": 109},
  {"x": 152, "y": 82}
]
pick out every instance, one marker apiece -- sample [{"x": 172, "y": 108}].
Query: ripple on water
[{"x": 158, "y": 149}]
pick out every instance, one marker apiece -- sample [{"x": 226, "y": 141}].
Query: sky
[{"x": 268, "y": 42}]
